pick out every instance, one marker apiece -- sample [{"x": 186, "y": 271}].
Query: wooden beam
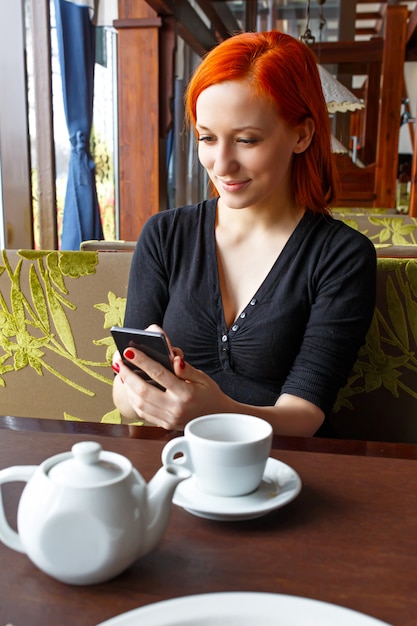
[
  {"x": 334, "y": 52},
  {"x": 190, "y": 26},
  {"x": 368, "y": 16},
  {"x": 139, "y": 114},
  {"x": 370, "y": 114},
  {"x": 390, "y": 108},
  {"x": 167, "y": 49},
  {"x": 251, "y": 14},
  {"x": 228, "y": 18},
  {"x": 411, "y": 55},
  {"x": 366, "y": 31},
  {"x": 413, "y": 188},
  {"x": 45, "y": 147},
  {"x": 16, "y": 218},
  {"x": 411, "y": 50},
  {"x": 216, "y": 22}
]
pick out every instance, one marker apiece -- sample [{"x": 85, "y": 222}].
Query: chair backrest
[
  {"x": 379, "y": 401},
  {"x": 108, "y": 246},
  {"x": 384, "y": 230},
  {"x": 56, "y": 309}
]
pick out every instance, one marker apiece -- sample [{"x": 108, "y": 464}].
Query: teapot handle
[{"x": 12, "y": 474}]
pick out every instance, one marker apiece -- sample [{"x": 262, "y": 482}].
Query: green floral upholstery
[
  {"x": 383, "y": 230},
  {"x": 379, "y": 401},
  {"x": 56, "y": 309},
  {"x": 341, "y": 211}
]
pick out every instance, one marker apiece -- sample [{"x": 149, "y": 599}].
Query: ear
[{"x": 306, "y": 132}]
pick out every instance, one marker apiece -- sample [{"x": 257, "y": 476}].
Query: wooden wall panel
[
  {"x": 138, "y": 115},
  {"x": 390, "y": 106}
]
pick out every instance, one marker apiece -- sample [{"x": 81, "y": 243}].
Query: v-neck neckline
[{"x": 290, "y": 244}]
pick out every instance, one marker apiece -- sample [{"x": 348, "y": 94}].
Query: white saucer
[
  {"x": 242, "y": 609},
  {"x": 280, "y": 484}
]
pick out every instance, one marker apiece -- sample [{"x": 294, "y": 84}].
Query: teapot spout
[{"x": 159, "y": 499}]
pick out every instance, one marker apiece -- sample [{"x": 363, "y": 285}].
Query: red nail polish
[
  {"x": 115, "y": 367},
  {"x": 182, "y": 364},
  {"x": 129, "y": 354}
]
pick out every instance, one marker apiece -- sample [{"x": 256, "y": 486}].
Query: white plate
[
  {"x": 242, "y": 609},
  {"x": 280, "y": 484}
]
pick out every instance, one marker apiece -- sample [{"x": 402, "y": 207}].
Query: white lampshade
[
  {"x": 338, "y": 98},
  {"x": 337, "y": 147}
]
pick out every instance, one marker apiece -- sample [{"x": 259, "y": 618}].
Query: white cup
[{"x": 227, "y": 452}]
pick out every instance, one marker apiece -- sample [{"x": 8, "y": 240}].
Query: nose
[{"x": 225, "y": 161}]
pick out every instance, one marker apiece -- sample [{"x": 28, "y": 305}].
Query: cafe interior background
[
  {"x": 34, "y": 154},
  {"x": 349, "y": 538}
]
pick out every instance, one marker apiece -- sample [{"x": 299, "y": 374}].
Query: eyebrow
[{"x": 238, "y": 129}]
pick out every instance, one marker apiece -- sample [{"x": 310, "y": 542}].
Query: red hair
[{"x": 284, "y": 70}]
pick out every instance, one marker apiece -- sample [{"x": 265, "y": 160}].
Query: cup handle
[
  {"x": 174, "y": 448},
  {"x": 9, "y": 475}
]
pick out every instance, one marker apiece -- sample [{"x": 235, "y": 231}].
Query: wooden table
[{"x": 350, "y": 538}]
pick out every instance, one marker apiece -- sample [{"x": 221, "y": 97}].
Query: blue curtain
[{"x": 76, "y": 43}]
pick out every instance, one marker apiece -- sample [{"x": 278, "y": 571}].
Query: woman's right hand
[
  {"x": 179, "y": 397},
  {"x": 122, "y": 394}
]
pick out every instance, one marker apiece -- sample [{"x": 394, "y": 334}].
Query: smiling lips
[{"x": 233, "y": 185}]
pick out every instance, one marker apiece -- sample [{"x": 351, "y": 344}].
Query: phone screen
[{"x": 151, "y": 343}]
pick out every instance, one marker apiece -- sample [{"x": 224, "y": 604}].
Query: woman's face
[{"x": 246, "y": 148}]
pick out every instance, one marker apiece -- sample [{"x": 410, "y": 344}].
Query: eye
[
  {"x": 206, "y": 138},
  {"x": 247, "y": 141}
]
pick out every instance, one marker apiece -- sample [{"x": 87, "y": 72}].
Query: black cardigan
[{"x": 300, "y": 333}]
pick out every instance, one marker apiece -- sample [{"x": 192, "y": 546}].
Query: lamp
[
  {"x": 338, "y": 98},
  {"x": 336, "y": 95},
  {"x": 338, "y": 147}
]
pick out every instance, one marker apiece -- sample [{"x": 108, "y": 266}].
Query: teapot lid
[{"x": 87, "y": 466}]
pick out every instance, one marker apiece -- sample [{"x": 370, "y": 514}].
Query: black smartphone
[{"x": 151, "y": 343}]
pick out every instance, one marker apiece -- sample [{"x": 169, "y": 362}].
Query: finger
[
  {"x": 145, "y": 399},
  {"x": 116, "y": 358},
  {"x": 151, "y": 368},
  {"x": 158, "y": 329},
  {"x": 179, "y": 366},
  {"x": 185, "y": 371},
  {"x": 155, "y": 328},
  {"x": 177, "y": 352},
  {"x": 116, "y": 362}
]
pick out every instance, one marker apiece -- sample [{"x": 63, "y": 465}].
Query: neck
[{"x": 252, "y": 219}]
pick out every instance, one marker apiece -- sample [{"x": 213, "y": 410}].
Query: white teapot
[{"x": 87, "y": 515}]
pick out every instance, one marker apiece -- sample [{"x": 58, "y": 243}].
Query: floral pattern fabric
[
  {"x": 55, "y": 344},
  {"x": 56, "y": 310},
  {"x": 379, "y": 400}
]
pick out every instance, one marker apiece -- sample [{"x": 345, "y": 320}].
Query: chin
[{"x": 234, "y": 203}]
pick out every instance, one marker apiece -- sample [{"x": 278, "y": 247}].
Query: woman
[{"x": 267, "y": 296}]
